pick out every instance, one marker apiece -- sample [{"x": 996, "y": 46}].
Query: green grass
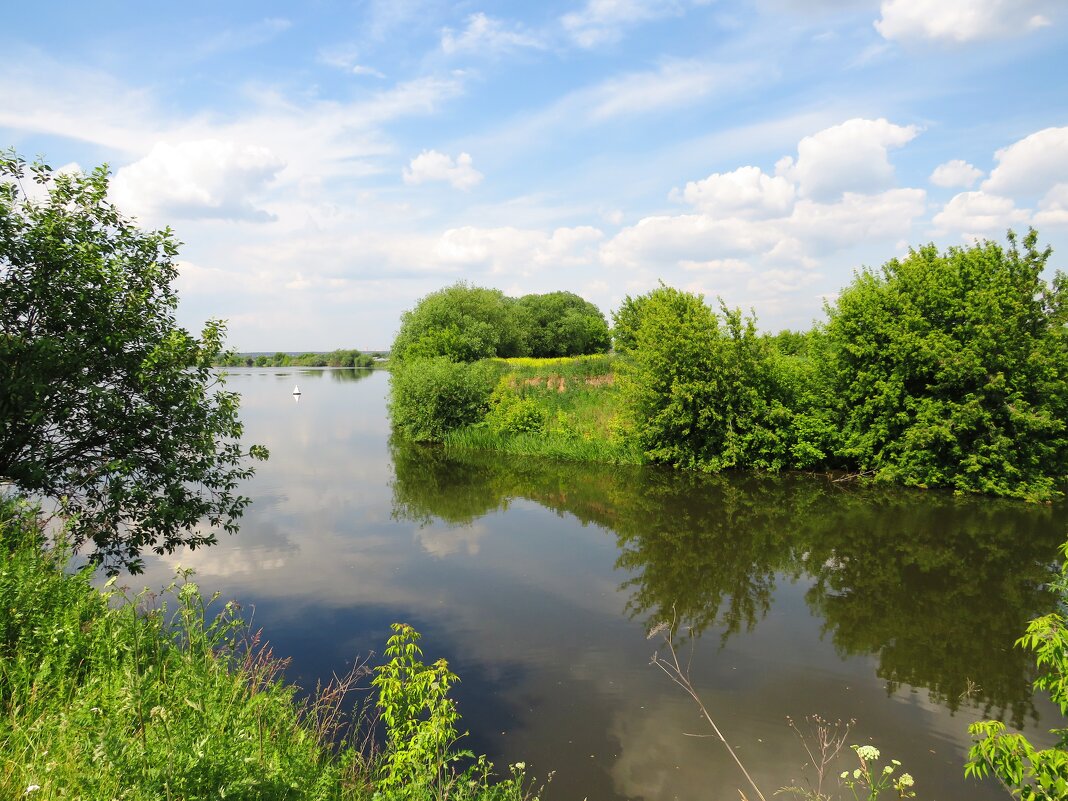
[
  {"x": 107, "y": 696},
  {"x": 565, "y": 408}
]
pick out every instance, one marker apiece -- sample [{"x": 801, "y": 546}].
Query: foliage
[
  {"x": 1033, "y": 775},
  {"x": 105, "y": 403},
  {"x": 106, "y": 695},
  {"x": 951, "y": 369},
  {"x": 706, "y": 392},
  {"x": 869, "y": 781},
  {"x": 431, "y": 397},
  {"x": 562, "y": 324},
  {"x": 463, "y": 323},
  {"x": 626, "y": 320}
]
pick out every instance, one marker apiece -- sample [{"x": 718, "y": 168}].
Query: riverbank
[{"x": 111, "y": 695}]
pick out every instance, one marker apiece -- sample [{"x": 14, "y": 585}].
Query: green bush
[
  {"x": 951, "y": 369},
  {"x": 431, "y": 397},
  {"x": 705, "y": 391}
]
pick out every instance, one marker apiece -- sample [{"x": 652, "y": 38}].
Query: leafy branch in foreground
[
  {"x": 106, "y": 404},
  {"x": 1026, "y": 772}
]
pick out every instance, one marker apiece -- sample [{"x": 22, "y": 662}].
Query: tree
[
  {"x": 562, "y": 324},
  {"x": 951, "y": 369},
  {"x": 461, "y": 322},
  {"x": 106, "y": 405}
]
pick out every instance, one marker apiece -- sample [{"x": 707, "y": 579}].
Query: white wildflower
[
  {"x": 33, "y": 788},
  {"x": 845, "y": 773},
  {"x": 888, "y": 770},
  {"x": 867, "y": 753},
  {"x": 905, "y": 780}
]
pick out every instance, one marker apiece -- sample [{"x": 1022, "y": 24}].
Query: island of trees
[{"x": 942, "y": 369}]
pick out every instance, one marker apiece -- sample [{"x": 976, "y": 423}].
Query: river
[{"x": 539, "y": 581}]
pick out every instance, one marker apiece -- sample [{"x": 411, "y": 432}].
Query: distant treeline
[
  {"x": 943, "y": 369},
  {"x": 335, "y": 358}
]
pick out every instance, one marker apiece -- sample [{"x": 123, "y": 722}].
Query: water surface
[{"x": 538, "y": 581}]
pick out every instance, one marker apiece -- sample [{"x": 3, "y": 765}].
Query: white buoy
[{"x": 296, "y": 390}]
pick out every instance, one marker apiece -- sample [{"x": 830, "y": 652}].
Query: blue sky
[{"x": 327, "y": 163}]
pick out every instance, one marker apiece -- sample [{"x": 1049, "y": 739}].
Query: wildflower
[
  {"x": 33, "y": 788},
  {"x": 856, "y": 773},
  {"x": 520, "y": 766},
  {"x": 905, "y": 780},
  {"x": 888, "y": 770},
  {"x": 845, "y": 773},
  {"x": 896, "y": 762},
  {"x": 867, "y": 753}
]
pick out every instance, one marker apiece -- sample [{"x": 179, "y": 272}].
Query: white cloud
[
  {"x": 858, "y": 218},
  {"x": 718, "y": 266},
  {"x": 1031, "y": 165},
  {"x": 673, "y": 84},
  {"x": 603, "y": 21},
  {"x": 518, "y": 251},
  {"x": 977, "y": 214},
  {"x": 207, "y": 178},
  {"x": 851, "y": 157},
  {"x": 956, "y": 173},
  {"x": 245, "y": 37},
  {"x": 1053, "y": 207},
  {"x": 960, "y": 20},
  {"x": 347, "y": 59},
  {"x": 745, "y": 192},
  {"x": 485, "y": 34},
  {"x": 430, "y": 165}
]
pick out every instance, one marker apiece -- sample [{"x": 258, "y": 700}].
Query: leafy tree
[
  {"x": 707, "y": 393},
  {"x": 105, "y": 403},
  {"x": 563, "y": 324},
  {"x": 463, "y": 323},
  {"x": 625, "y": 322},
  {"x": 951, "y": 369}
]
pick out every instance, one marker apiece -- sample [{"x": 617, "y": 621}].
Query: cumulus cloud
[
  {"x": 207, "y": 178},
  {"x": 745, "y": 192},
  {"x": 1031, "y": 165},
  {"x": 1053, "y": 208},
  {"x": 959, "y": 20},
  {"x": 978, "y": 214},
  {"x": 430, "y": 165},
  {"x": 956, "y": 173},
  {"x": 851, "y": 157},
  {"x": 485, "y": 34}
]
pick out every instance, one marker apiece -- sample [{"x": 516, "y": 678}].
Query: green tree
[
  {"x": 105, "y": 403},
  {"x": 705, "y": 391},
  {"x": 563, "y": 324},
  {"x": 626, "y": 321},
  {"x": 951, "y": 369},
  {"x": 463, "y": 323}
]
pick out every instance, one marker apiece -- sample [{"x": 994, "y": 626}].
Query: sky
[{"x": 326, "y": 164}]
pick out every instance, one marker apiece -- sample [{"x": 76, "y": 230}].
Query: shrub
[
  {"x": 431, "y": 397},
  {"x": 951, "y": 369}
]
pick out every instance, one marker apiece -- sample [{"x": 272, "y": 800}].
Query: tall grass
[
  {"x": 563, "y": 408},
  {"x": 104, "y": 695}
]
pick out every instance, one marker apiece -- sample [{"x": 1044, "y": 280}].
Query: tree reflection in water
[{"x": 937, "y": 586}]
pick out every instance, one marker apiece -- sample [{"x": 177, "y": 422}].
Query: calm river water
[{"x": 538, "y": 582}]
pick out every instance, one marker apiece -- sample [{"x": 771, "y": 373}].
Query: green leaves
[
  {"x": 105, "y": 403},
  {"x": 952, "y": 370}
]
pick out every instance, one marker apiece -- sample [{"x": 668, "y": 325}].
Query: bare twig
[{"x": 681, "y": 676}]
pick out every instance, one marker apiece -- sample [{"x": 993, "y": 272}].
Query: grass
[
  {"x": 109, "y": 696},
  {"x": 563, "y": 408}
]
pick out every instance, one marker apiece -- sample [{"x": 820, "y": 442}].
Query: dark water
[{"x": 538, "y": 582}]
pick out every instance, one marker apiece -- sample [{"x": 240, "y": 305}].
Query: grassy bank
[
  {"x": 107, "y": 696},
  {"x": 563, "y": 408}
]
